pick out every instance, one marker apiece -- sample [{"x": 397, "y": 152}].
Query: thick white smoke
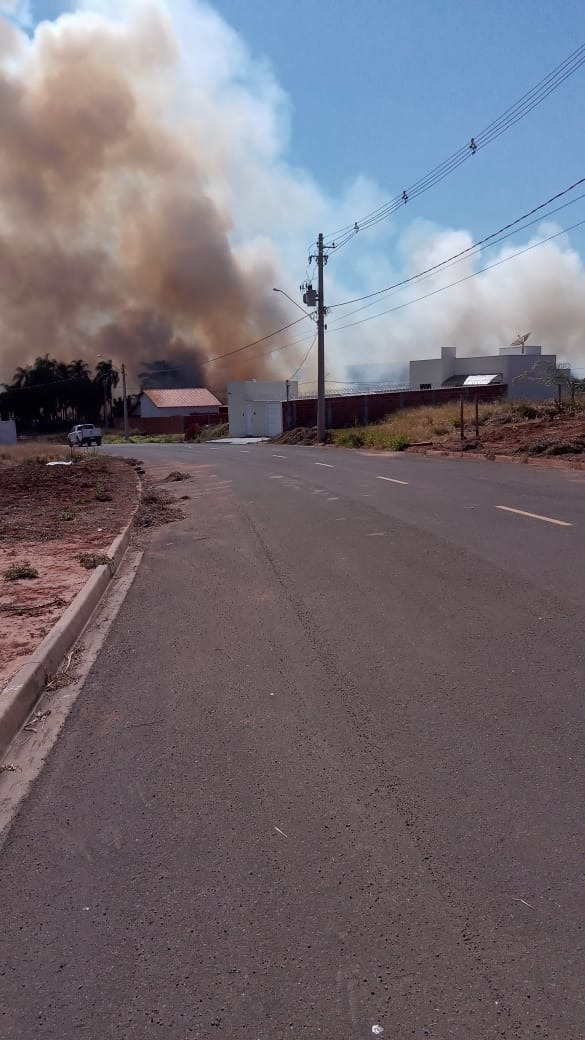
[{"x": 148, "y": 204}]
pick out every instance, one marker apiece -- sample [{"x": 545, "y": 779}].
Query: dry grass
[
  {"x": 33, "y": 452},
  {"x": 421, "y": 425}
]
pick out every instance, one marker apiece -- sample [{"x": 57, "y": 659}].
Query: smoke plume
[
  {"x": 114, "y": 235},
  {"x": 147, "y": 208}
]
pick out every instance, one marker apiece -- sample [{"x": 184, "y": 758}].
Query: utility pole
[
  {"x": 310, "y": 299},
  {"x": 105, "y": 403},
  {"x": 321, "y": 261},
  {"x": 126, "y": 434}
]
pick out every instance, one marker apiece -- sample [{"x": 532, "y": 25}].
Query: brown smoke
[{"x": 111, "y": 240}]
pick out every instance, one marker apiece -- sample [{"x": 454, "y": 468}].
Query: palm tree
[
  {"x": 20, "y": 378},
  {"x": 78, "y": 369},
  {"x": 109, "y": 377}
]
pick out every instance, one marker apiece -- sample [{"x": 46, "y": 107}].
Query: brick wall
[
  {"x": 173, "y": 423},
  {"x": 361, "y": 409}
]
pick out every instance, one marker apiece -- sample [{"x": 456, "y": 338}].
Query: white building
[
  {"x": 255, "y": 406},
  {"x": 7, "y": 431},
  {"x": 158, "y": 404},
  {"x": 527, "y": 372}
]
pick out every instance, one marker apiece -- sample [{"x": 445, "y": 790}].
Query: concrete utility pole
[
  {"x": 105, "y": 403},
  {"x": 321, "y": 261},
  {"x": 125, "y": 399}
]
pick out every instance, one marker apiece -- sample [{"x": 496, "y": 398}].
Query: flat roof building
[{"x": 525, "y": 370}]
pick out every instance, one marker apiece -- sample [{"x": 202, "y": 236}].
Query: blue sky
[
  {"x": 388, "y": 89},
  {"x": 384, "y": 91}
]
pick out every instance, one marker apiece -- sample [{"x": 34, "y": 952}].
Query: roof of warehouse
[{"x": 196, "y": 397}]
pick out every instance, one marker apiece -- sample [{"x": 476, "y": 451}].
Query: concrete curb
[
  {"x": 576, "y": 465},
  {"x": 22, "y": 692}
]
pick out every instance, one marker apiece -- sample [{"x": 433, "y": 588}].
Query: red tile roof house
[{"x": 160, "y": 404}]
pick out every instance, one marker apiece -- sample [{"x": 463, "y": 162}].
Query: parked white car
[{"x": 86, "y": 433}]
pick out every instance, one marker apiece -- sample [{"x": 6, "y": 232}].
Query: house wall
[
  {"x": 254, "y": 406},
  {"x": 509, "y": 365},
  {"x": 173, "y": 423},
  {"x": 7, "y": 431},
  {"x": 430, "y": 371},
  {"x": 527, "y": 377}
]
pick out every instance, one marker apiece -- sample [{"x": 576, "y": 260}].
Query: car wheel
[{"x": 99, "y": 442}]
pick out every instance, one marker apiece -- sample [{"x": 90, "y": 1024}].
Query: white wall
[
  {"x": 237, "y": 409},
  {"x": 7, "y": 431},
  {"x": 430, "y": 371},
  {"x": 507, "y": 364},
  {"x": 255, "y": 406},
  {"x": 537, "y": 371}
]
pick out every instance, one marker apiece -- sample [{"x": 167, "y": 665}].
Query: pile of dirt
[
  {"x": 157, "y": 507},
  {"x": 50, "y": 516},
  {"x": 301, "y": 435}
]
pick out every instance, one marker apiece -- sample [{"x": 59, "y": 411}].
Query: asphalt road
[{"x": 327, "y": 773}]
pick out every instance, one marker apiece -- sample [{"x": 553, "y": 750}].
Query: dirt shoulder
[
  {"x": 542, "y": 439},
  {"x": 49, "y": 517},
  {"x": 524, "y": 433}
]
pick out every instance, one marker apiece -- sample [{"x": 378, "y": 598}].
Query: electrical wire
[
  {"x": 456, "y": 259},
  {"x": 178, "y": 368},
  {"x": 238, "y": 350},
  {"x": 296, "y": 372},
  {"x": 468, "y": 250},
  {"x": 466, "y": 278},
  {"x": 512, "y": 115}
]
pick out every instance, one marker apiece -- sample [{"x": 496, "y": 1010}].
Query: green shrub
[
  {"x": 398, "y": 442},
  {"x": 350, "y": 438},
  {"x": 92, "y": 560},
  {"x": 20, "y": 571}
]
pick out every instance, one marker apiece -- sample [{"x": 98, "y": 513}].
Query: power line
[
  {"x": 513, "y": 114},
  {"x": 469, "y": 249},
  {"x": 453, "y": 261},
  {"x": 175, "y": 368},
  {"x": 238, "y": 350},
  {"x": 305, "y": 357},
  {"x": 466, "y": 278}
]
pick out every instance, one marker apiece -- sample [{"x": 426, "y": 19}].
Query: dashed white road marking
[
  {"x": 393, "y": 480},
  {"x": 275, "y": 456},
  {"x": 334, "y": 498},
  {"x": 536, "y": 516},
  {"x": 326, "y": 464},
  {"x": 375, "y": 534},
  {"x": 276, "y": 476},
  {"x": 244, "y": 451}
]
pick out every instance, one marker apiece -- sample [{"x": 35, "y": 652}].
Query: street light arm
[{"x": 307, "y": 313}]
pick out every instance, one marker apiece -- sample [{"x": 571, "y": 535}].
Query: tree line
[{"x": 51, "y": 395}]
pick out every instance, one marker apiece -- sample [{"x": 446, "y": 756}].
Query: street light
[{"x": 307, "y": 313}]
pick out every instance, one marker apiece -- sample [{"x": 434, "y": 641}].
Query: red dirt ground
[
  {"x": 48, "y": 516},
  {"x": 546, "y": 439}
]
